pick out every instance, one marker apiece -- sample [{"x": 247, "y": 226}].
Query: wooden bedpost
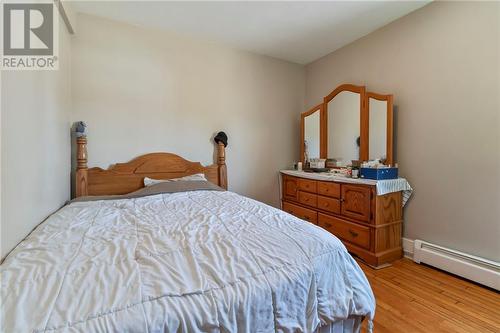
[
  {"x": 221, "y": 163},
  {"x": 81, "y": 167}
]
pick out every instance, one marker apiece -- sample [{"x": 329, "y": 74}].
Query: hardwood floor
[{"x": 417, "y": 298}]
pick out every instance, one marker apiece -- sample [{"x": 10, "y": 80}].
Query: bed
[{"x": 185, "y": 256}]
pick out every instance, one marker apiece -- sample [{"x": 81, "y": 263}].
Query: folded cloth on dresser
[
  {"x": 395, "y": 185},
  {"x": 193, "y": 260}
]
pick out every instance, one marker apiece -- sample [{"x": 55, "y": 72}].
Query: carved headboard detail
[{"x": 123, "y": 178}]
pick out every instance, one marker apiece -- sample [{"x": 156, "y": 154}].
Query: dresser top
[{"x": 325, "y": 176}]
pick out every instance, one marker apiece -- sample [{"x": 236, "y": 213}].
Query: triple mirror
[{"x": 350, "y": 125}]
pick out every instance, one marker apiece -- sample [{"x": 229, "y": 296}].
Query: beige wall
[
  {"x": 35, "y": 145},
  {"x": 142, "y": 91},
  {"x": 442, "y": 64}
]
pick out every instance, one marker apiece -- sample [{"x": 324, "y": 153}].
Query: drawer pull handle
[{"x": 353, "y": 233}]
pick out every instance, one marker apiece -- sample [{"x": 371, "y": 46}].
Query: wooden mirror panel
[
  {"x": 380, "y": 138},
  {"x": 311, "y": 133},
  {"x": 347, "y": 104}
]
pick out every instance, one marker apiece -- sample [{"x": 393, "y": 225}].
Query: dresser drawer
[
  {"x": 329, "y": 204},
  {"x": 347, "y": 231},
  {"x": 307, "y": 185},
  {"x": 301, "y": 212},
  {"x": 329, "y": 189},
  {"x": 308, "y": 199}
]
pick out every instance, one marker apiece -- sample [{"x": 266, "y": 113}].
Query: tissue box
[{"x": 378, "y": 174}]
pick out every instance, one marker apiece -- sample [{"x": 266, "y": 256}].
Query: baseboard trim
[
  {"x": 477, "y": 269},
  {"x": 408, "y": 248}
]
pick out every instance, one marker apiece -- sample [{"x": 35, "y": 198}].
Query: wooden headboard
[{"x": 123, "y": 178}]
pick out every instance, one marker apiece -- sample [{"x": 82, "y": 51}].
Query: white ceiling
[{"x": 297, "y": 31}]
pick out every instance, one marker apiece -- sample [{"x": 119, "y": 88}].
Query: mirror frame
[
  {"x": 363, "y": 123},
  {"x": 322, "y": 122},
  {"x": 390, "y": 123}
]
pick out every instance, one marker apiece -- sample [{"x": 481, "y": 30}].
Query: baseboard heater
[{"x": 477, "y": 269}]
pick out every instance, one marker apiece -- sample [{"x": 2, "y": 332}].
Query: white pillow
[{"x": 196, "y": 176}]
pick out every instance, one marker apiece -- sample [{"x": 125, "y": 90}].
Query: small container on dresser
[{"x": 368, "y": 225}]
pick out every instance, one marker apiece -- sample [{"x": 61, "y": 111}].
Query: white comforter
[{"x": 200, "y": 261}]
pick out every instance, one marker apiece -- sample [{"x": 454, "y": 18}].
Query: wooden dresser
[{"x": 368, "y": 225}]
